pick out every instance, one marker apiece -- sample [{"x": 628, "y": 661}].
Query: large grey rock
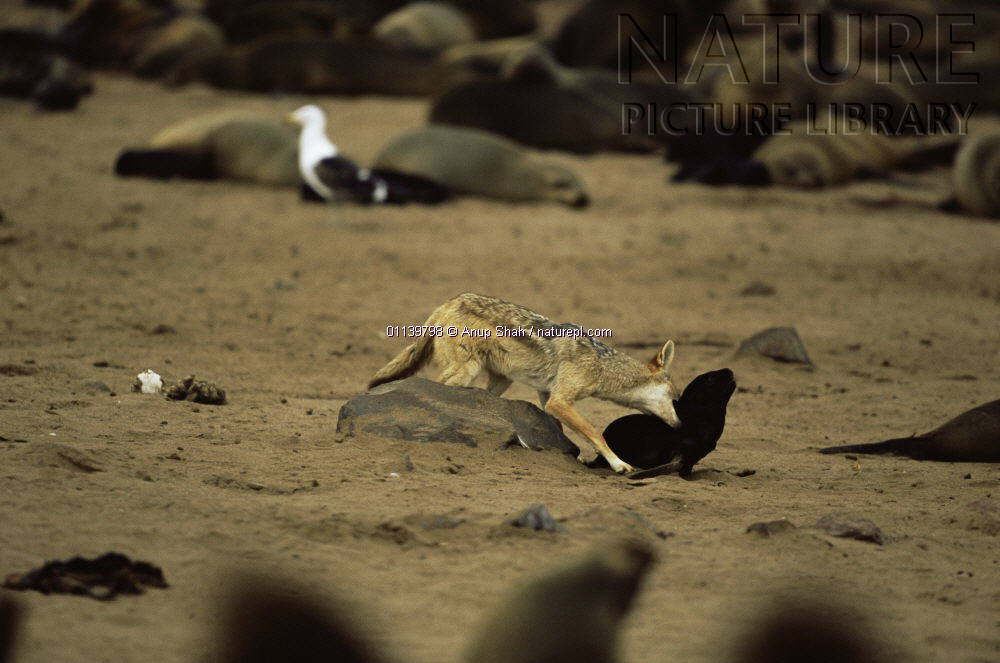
[{"x": 420, "y": 410}]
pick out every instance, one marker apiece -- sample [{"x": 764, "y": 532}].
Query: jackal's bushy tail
[{"x": 406, "y": 363}]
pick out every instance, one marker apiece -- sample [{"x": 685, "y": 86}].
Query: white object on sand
[{"x": 150, "y": 382}]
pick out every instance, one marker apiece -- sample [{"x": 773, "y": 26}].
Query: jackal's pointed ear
[{"x": 663, "y": 358}]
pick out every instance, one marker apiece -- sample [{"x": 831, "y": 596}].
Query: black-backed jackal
[{"x": 515, "y": 344}]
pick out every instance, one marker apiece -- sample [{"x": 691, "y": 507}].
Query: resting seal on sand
[
  {"x": 572, "y": 613},
  {"x": 812, "y": 160},
  {"x": 976, "y": 176},
  {"x": 148, "y": 37},
  {"x": 31, "y": 67},
  {"x": 426, "y": 27},
  {"x": 540, "y": 103},
  {"x": 321, "y": 65},
  {"x": 645, "y": 442},
  {"x": 971, "y": 437},
  {"x": 475, "y": 162},
  {"x": 236, "y": 146}
]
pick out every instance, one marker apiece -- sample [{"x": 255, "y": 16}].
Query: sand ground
[{"x": 285, "y": 306}]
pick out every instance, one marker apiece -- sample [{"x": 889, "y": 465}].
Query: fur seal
[
  {"x": 568, "y": 615},
  {"x": 645, "y": 442},
  {"x": 31, "y": 67},
  {"x": 589, "y": 37},
  {"x": 475, "y": 162},
  {"x": 10, "y": 614},
  {"x": 540, "y": 103},
  {"x": 793, "y": 631},
  {"x": 971, "y": 437},
  {"x": 805, "y": 159},
  {"x": 244, "y": 21},
  {"x": 976, "y": 175},
  {"x": 228, "y": 145},
  {"x": 321, "y": 65},
  {"x": 328, "y": 175},
  {"x": 268, "y": 621},
  {"x": 426, "y": 27},
  {"x": 148, "y": 37}
]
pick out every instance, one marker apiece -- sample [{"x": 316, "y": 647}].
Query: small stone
[
  {"x": 757, "y": 289},
  {"x": 162, "y": 329},
  {"x": 771, "y": 527},
  {"x": 97, "y": 385},
  {"x": 198, "y": 391},
  {"x": 851, "y": 527},
  {"x": 538, "y": 518},
  {"x": 17, "y": 369}
]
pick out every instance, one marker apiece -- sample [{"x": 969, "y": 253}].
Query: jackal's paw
[{"x": 621, "y": 467}]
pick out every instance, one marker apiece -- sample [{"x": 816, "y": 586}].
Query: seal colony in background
[{"x": 426, "y": 165}]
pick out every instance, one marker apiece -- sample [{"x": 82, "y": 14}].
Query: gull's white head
[{"x": 308, "y": 116}]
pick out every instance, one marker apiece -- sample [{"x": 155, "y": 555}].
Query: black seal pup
[
  {"x": 971, "y": 437},
  {"x": 646, "y": 442}
]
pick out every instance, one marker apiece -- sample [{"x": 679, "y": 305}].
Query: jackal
[{"x": 557, "y": 359}]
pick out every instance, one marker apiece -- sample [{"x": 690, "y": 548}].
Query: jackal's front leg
[{"x": 567, "y": 413}]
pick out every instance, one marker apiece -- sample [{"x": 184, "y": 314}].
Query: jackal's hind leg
[
  {"x": 461, "y": 375},
  {"x": 498, "y": 384}
]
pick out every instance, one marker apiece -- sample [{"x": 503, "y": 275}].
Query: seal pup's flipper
[
  {"x": 677, "y": 465},
  {"x": 345, "y": 179},
  {"x": 164, "y": 164},
  {"x": 405, "y": 188},
  {"x": 896, "y": 447}
]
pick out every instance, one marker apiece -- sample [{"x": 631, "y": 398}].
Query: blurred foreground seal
[
  {"x": 971, "y": 437},
  {"x": 571, "y": 614}
]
